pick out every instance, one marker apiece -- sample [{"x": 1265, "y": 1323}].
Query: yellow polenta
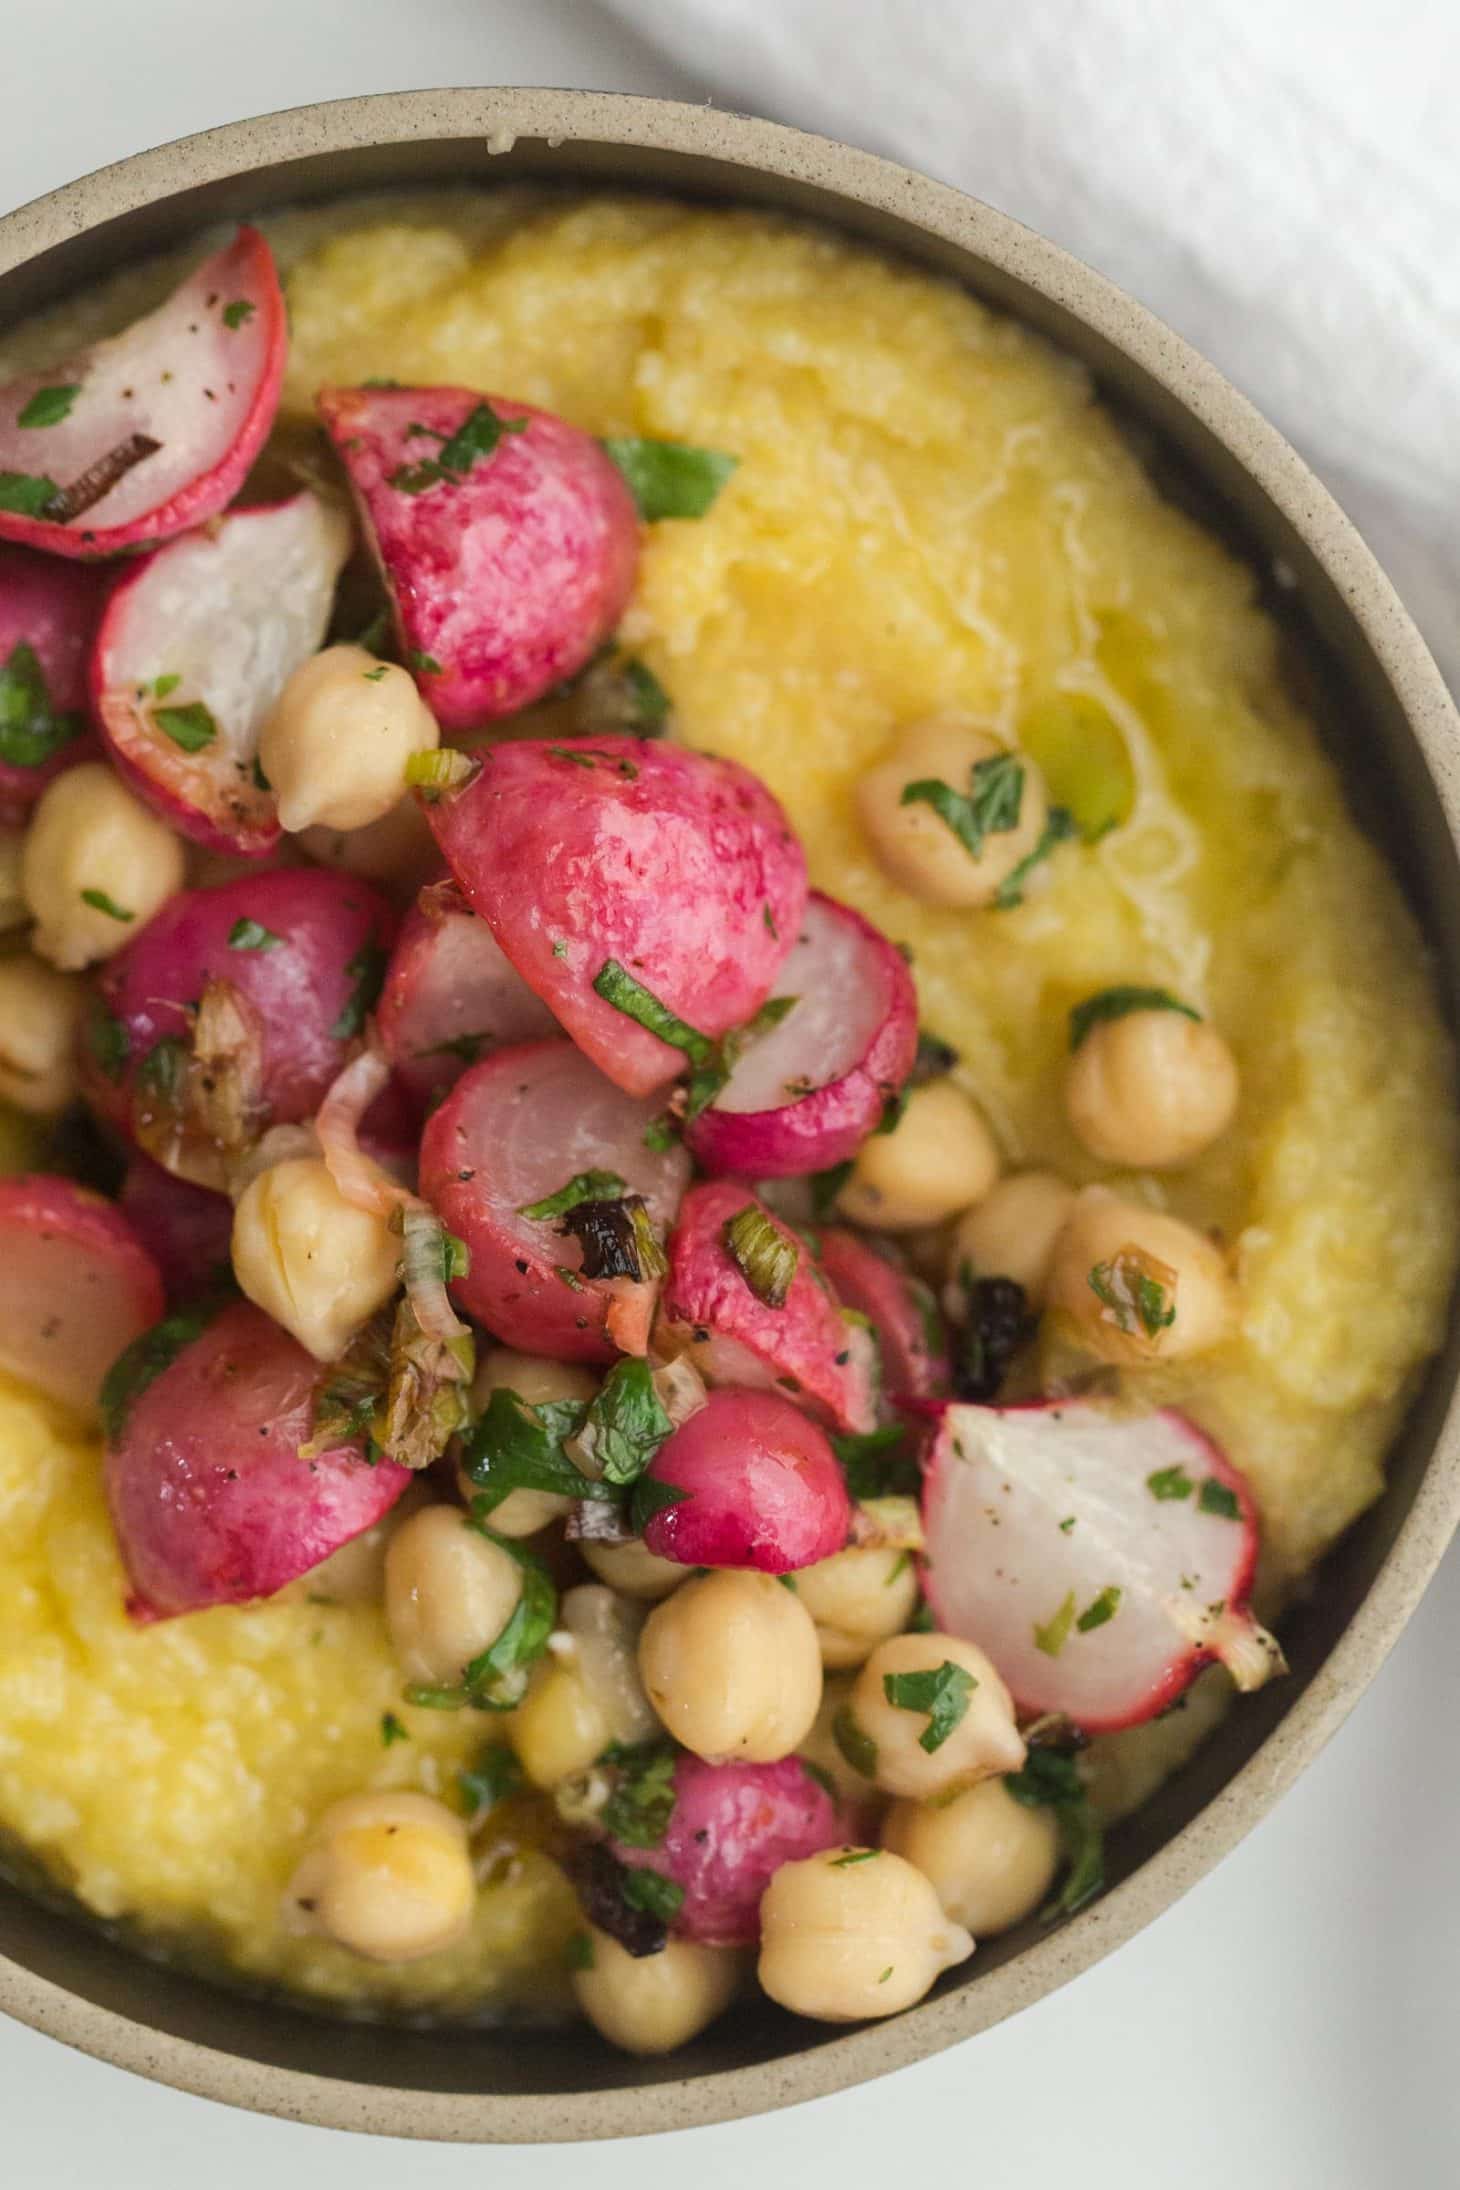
[{"x": 929, "y": 513}]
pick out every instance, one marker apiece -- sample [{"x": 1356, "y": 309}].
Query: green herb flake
[
  {"x": 474, "y": 440},
  {"x": 517, "y": 1446},
  {"x": 878, "y": 1463},
  {"x": 625, "y": 1424},
  {"x": 1058, "y": 829},
  {"x": 1219, "y": 1498},
  {"x": 669, "y": 478},
  {"x": 252, "y": 935},
  {"x": 1170, "y": 1483},
  {"x": 144, "y": 1361},
  {"x": 617, "y": 986},
  {"x": 192, "y": 727},
  {"x": 366, "y": 974},
  {"x": 391, "y": 1729},
  {"x": 638, "y": 1810},
  {"x": 425, "y": 665},
  {"x": 109, "y": 1042},
  {"x": 23, "y": 494},
  {"x": 373, "y": 676},
  {"x": 1102, "y": 1609},
  {"x": 1050, "y": 1779},
  {"x": 762, "y": 1253},
  {"x": 579, "y": 1951},
  {"x": 942, "y": 1693},
  {"x": 30, "y": 728},
  {"x": 649, "y": 1890},
  {"x": 583, "y": 1186},
  {"x": 649, "y": 701},
  {"x": 886, "y": 1973},
  {"x": 650, "y": 1497},
  {"x": 238, "y": 313},
  {"x": 990, "y": 806},
  {"x": 1067, "y": 1524},
  {"x": 1052, "y": 1635},
  {"x": 660, "y": 1134},
  {"x": 100, "y": 902},
  {"x": 495, "y": 1775},
  {"x": 48, "y": 406},
  {"x": 853, "y": 1855},
  {"x": 1119, "y": 1003},
  {"x": 857, "y": 1749},
  {"x": 1135, "y": 1296},
  {"x": 497, "y": 1680}
]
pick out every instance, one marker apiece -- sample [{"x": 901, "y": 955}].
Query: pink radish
[
  {"x": 711, "y": 1310},
  {"x": 762, "y": 1487},
  {"x": 1101, "y": 1559},
  {"x": 194, "y": 649},
  {"x": 48, "y": 616},
  {"x": 149, "y": 433},
  {"x": 635, "y": 887},
  {"x": 516, "y": 1130},
  {"x": 450, "y": 996},
  {"x": 186, "y": 1229},
  {"x": 731, "y": 1826},
  {"x": 805, "y": 1094},
  {"x": 900, "y": 1309},
  {"x": 294, "y": 955},
  {"x": 76, "y": 1287},
  {"x": 210, "y": 1498},
  {"x": 507, "y": 539}
]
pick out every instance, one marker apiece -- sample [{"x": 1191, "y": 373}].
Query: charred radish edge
[
  {"x": 77, "y": 1287},
  {"x": 1121, "y": 1562},
  {"x": 175, "y": 679},
  {"x": 150, "y": 433}
]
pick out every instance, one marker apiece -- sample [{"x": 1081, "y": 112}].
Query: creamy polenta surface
[{"x": 930, "y": 515}]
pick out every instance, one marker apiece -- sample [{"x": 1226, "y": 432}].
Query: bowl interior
[{"x": 74, "y": 1976}]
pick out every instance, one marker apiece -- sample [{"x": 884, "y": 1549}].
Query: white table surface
[{"x": 1289, "y": 2025}]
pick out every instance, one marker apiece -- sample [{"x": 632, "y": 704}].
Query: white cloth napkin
[{"x": 1280, "y": 179}]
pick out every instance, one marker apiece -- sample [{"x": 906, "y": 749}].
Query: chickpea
[
  {"x": 560, "y": 1726},
  {"x": 336, "y": 744},
  {"x": 1012, "y": 1232},
  {"x": 12, "y": 903},
  {"x": 732, "y": 1666},
  {"x": 537, "y": 1380},
  {"x": 1149, "y": 1266},
  {"x": 311, "y": 1259},
  {"x": 983, "y": 1740},
  {"x": 355, "y": 1574},
  {"x": 1151, "y": 1090},
  {"x": 39, "y": 1013},
  {"x": 858, "y": 1598},
  {"x": 853, "y": 1932},
  {"x": 991, "y": 1860},
  {"x": 654, "y": 2002},
  {"x": 915, "y": 846},
  {"x": 449, "y": 1592},
  {"x": 397, "y": 851},
  {"x": 858, "y": 1797},
  {"x": 633, "y": 1569},
  {"x": 88, "y": 834},
  {"x": 939, "y": 1157},
  {"x": 387, "y": 1875}
]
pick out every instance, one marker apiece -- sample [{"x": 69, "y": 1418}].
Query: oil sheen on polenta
[{"x": 929, "y": 514}]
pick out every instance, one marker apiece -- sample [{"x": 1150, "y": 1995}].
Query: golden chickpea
[
  {"x": 894, "y": 1708},
  {"x": 820, "y": 1748},
  {"x": 355, "y": 1574},
  {"x": 633, "y": 1569},
  {"x": 1151, "y": 1089},
  {"x": 336, "y": 744},
  {"x": 537, "y": 1380},
  {"x": 858, "y": 1598},
  {"x": 560, "y": 1725},
  {"x": 922, "y": 851},
  {"x": 732, "y": 1666},
  {"x": 387, "y": 1875},
  {"x": 991, "y": 1860},
  {"x": 311, "y": 1259},
  {"x": 1012, "y": 1232},
  {"x": 449, "y": 1592},
  {"x": 398, "y": 851},
  {"x": 851, "y": 1933},
  {"x": 1147, "y": 1266},
  {"x": 40, "y": 1010},
  {"x": 95, "y": 867},
  {"x": 13, "y": 912},
  {"x": 938, "y": 1159},
  {"x": 654, "y": 2002}
]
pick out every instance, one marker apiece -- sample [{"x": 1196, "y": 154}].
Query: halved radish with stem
[
  {"x": 746, "y": 1301},
  {"x": 1100, "y": 1558},
  {"x": 900, "y": 1309},
  {"x": 806, "y": 1093},
  {"x": 451, "y": 997},
  {"x": 76, "y": 1287},
  {"x": 506, "y": 538},
  {"x": 151, "y": 432},
  {"x": 195, "y": 647},
  {"x": 210, "y": 1498},
  {"x": 48, "y": 617},
  {"x": 539, "y": 1165},
  {"x": 647, "y": 894},
  {"x": 759, "y": 1486}
]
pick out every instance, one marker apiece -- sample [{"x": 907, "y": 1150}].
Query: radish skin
[
  {"x": 185, "y": 1228},
  {"x": 901, "y": 1310},
  {"x": 763, "y": 1485},
  {"x": 451, "y": 997},
  {"x": 51, "y": 607},
  {"x": 76, "y": 1287}
]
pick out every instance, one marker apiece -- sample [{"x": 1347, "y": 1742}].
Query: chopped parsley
[
  {"x": 583, "y": 1186},
  {"x": 652, "y": 1892},
  {"x": 625, "y": 1423},
  {"x": 391, "y": 1729},
  {"x": 100, "y": 902},
  {"x": 373, "y": 676},
  {"x": 989, "y": 807},
  {"x": 853, "y": 1855},
  {"x": 162, "y": 686},
  {"x": 649, "y": 701},
  {"x": 516, "y": 1446},
  {"x": 474, "y": 440},
  {"x": 859, "y": 1750},
  {"x": 649, "y": 1497},
  {"x": 1129, "y": 1287},
  {"x": 23, "y": 494},
  {"x": 109, "y": 1042},
  {"x": 31, "y": 729},
  {"x": 1170, "y": 1483},
  {"x": 366, "y": 974},
  {"x": 236, "y": 314},
  {"x": 762, "y": 1253},
  {"x": 192, "y": 727},
  {"x": 1219, "y": 1498},
  {"x": 252, "y": 935},
  {"x": 878, "y": 1463},
  {"x": 669, "y": 478},
  {"x": 1052, "y": 1634},
  {"x": 496, "y": 1680},
  {"x": 641, "y": 1804},
  {"x": 1050, "y": 1779},
  {"x": 1118, "y": 1003},
  {"x": 425, "y": 665},
  {"x": 48, "y": 406},
  {"x": 617, "y": 986},
  {"x": 144, "y": 1361},
  {"x": 1058, "y": 829},
  {"x": 1102, "y": 1608},
  {"x": 495, "y": 1775},
  {"x": 942, "y": 1693},
  {"x": 579, "y": 1951}
]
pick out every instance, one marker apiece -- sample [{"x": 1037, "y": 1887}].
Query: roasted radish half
[
  {"x": 540, "y": 1166},
  {"x": 76, "y": 1287},
  {"x": 149, "y": 433},
  {"x": 805, "y": 1094},
  {"x": 746, "y": 1301},
  {"x": 649, "y": 895},
  {"x": 210, "y": 1496},
  {"x": 184, "y": 1228},
  {"x": 758, "y": 1485},
  {"x": 900, "y": 1308},
  {"x": 1101, "y": 1559},
  {"x": 48, "y": 616},
  {"x": 194, "y": 649},
  {"x": 234, "y": 1010},
  {"x": 450, "y": 995},
  {"x": 507, "y": 539}
]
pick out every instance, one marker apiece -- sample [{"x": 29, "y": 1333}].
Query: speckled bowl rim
[{"x": 765, "y": 149}]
